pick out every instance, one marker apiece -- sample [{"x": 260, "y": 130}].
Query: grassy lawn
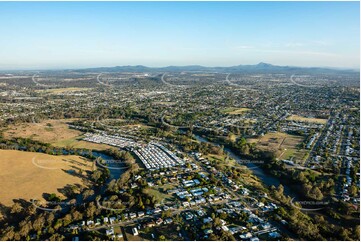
[
  {"x": 295, "y": 154},
  {"x": 213, "y": 157},
  {"x": 169, "y": 231},
  {"x": 129, "y": 235},
  {"x": 247, "y": 179},
  {"x": 235, "y": 111},
  {"x": 62, "y": 90},
  {"x": 285, "y": 145},
  {"x": 118, "y": 230},
  {"x": 160, "y": 192},
  {"x": 287, "y": 154},
  {"x": 307, "y": 120},
  {"x": 140, "y": 126},
  {"x": 221, "y": 160}
]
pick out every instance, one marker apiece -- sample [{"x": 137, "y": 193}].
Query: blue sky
[{"x": 40, "y": 35}]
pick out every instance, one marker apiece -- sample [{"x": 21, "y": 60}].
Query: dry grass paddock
[{"x": 28, "y": 175}]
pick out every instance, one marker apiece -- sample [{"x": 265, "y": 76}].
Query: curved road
[{"x": 169, "y": 84}]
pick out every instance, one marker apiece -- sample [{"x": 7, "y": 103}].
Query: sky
[{"x": 56, "y": 35}]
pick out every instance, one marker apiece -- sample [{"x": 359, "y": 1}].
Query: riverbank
[{"x": 264, "y": 177}]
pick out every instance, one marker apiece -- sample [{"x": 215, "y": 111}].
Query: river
[
  {"x": 115, "y": 167},
  {"x": 266, "y": 179}
]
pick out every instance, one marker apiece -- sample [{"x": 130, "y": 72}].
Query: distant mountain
[{"x": 258, "y": 68}]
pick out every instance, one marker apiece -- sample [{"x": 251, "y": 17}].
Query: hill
[{"x": 258, "y": 68}]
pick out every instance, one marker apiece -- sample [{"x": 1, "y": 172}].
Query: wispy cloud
[
  {"x": 244, "y": 47},
  {"x": 321, "y": 43},
  {"x": 295, "y": 44},
  {"x": 311, "y": 43}
]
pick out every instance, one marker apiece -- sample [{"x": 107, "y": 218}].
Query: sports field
[
  {"x": 307, "y": 120},
  {"x": 234, "y": 111}
]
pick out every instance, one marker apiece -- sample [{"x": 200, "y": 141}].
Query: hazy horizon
[{"x": 100, "y": 66}]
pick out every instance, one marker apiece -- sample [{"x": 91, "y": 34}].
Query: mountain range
[{"x": 258, "y": 68}]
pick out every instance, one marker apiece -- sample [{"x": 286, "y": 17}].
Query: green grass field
[
  {"x": 284, "y": 145},
  {"x": 235, "y": 111}
]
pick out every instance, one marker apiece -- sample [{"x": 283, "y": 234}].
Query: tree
[
  {"x": 8, "y": 233},
  {"x": 245, "y": 149},
  {"x": 345, "y": 234},
  {"x": 90, "y": 210},
  {"x": 112, "y": 186},
  {"x": 213, "y": 237},
  {"x": 76, "y": 215},
  {"x": 50, "y": 218},
  {"x": 87, "y": 193},
  {"x": 166, "y": 214},
  {"x": 178, "y": 220},
  {"x": 353, "y": 191},
  {"x": 357, "y": 232},
  {"x": 223, "y": 215},
  {"x": 282, "y": 212},
  {"x": 280, "y": 189},
  {"x": 217, "y": 222},
  {"x": 58, "y": 224},
  {"x": 51, "y": 230},
  {"x": 140, "y": 203},
  {"x": 67, "y": 219},
  {"x": 16, "y": 208},
  {"x": 97, "y": 174},
  {"x": 53, "y": 197},
  {"x": 31, "y": 210},
  {"x": 316, "y": 193},
  {"x": 57, "y": 237},
  {"x": 38, "y": 223},
  {"x": 25, "y": 227}
]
